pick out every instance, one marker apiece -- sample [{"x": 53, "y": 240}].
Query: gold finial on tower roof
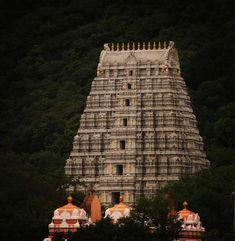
[
  {"x": 164, "y": 45},
  {"x": 133, "y": 46},
  {"x": 144, "y": 46},
  {"x": 128, "y": 46},
  {"x": 123, "y": 46},
  {"x": 159, "y": 45},
  {"x": 154, "y": 45},
  {"x": 149, "y": 46},
  {"x": 117, "y": 46},
  {"x": 112, "y": 47},
  {"x": 138, "y": 48}
]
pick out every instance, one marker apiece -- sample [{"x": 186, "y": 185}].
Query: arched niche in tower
[
  {"x": 131, "y": 59},
  {"x": 131, "y": 63}
]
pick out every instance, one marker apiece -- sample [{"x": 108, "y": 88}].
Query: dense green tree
[{"x": 156, "y": 215}]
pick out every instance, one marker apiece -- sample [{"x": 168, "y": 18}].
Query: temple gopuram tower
[{"x": 138, "y": 131}]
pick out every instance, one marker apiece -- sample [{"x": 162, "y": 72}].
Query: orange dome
[
  {"x": 121, "y": 207},
  {"x": 118, "y": 210},
  {"x": 69, "y": 207},
  {"x": 184, "y": 213}
]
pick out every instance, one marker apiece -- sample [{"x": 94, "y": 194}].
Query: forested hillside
[{"x": 48, "y": 56}]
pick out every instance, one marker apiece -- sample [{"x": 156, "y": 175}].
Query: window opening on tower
[
  {"x": 119, "y": 170},
  {"x": 127, "y": 102},
  {"x": 122, "y": 145},
  {"x": 115, "y": 197},
  {"x": 125, "y": 122}
]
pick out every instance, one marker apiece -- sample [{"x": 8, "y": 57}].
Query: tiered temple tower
[{"x": 138, "y": 131}]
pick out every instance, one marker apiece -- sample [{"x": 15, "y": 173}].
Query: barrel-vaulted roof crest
[{"x": 121, "y": 53}]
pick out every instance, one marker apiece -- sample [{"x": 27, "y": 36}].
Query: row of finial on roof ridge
[{"x": 143, "y": 46}]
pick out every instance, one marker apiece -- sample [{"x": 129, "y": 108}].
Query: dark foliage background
[{"x": 48, "y": 57}]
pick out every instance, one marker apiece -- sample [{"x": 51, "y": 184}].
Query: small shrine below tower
[
  {"x": 118, "y": 211},
  {"x": 67, "y": 218},
  {"x": 192, "y": 229}
]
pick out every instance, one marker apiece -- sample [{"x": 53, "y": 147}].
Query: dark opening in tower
[
  {"x": 119, "y": 169},
  {"x": 115, "y": 197},
  {"x": 127, "y": 102},
  {"x": 122, "y": 145}
]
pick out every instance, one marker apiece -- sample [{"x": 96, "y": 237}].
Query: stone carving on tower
[{"x": 138, "y": 131}]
